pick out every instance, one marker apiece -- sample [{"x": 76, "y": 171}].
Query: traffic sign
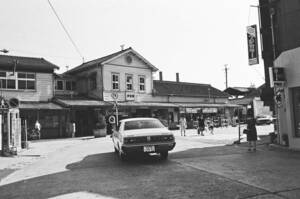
[
  {"x": 112, "y": 119},
  {"x": 114, "y": 95}
]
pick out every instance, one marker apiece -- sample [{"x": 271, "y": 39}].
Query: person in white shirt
[
  {"x": 37, "y": 127},
  {"x": 183, "y": 125}
]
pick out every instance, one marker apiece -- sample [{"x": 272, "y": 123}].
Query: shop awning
[
  {"x": 82, "y": 103},
  {"x": 40, "y": 105},
  {"x": 206, "y": 105},
  {"x": 147, "y": 104}
]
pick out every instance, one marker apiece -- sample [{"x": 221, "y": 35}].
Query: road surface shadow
[{"x": 140, "y": 177}]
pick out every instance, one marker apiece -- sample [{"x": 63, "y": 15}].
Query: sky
[{"x": 195, "y": 38}]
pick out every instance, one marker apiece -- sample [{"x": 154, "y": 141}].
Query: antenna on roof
[{"x": 122, "y": 46}]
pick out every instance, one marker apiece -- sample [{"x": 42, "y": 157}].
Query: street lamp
[{"x": 4, "y": 50}]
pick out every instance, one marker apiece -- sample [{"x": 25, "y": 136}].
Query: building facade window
[
  {"x": 115, "y": 81},
  {"x": 296, "y": 108},
  {"x": 17, "y": 80},
  {"x": 59, "y": 85},
  {"x": 142, "y": 83},
  {"x": 26, "y": 81},
  {"x": 129, "y": 82}
]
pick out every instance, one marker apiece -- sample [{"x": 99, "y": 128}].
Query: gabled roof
[
  {"x": 33, "y": 64},
  {"x": 245, "y": 91},
  {"x": 185, "y": 89},
  {"x": 242, "y": 101},
  {"x": 108, "y": 58},
  {"x": 238, "y": 90}
]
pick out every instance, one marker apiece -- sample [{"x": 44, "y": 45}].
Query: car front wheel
[{"x": 164, "y": 155}]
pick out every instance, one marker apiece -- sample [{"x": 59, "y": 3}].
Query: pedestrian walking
[
  {"x": 201, "y": 125},
  {"x": 183, "y": 125},
  {"x": 37, "y": 128},
  {"x": 251, "y": 134},
  {"x": 210, "y": 126}
]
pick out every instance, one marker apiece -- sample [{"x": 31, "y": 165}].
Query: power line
[{"x": 66, "y": 31}]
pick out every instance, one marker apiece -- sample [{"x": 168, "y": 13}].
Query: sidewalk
[
  {"x": 37, "y": 149},
  {"x": 273, "y": 169}
]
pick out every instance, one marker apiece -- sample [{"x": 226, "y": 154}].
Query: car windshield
[{"x": 142, "y": 124}]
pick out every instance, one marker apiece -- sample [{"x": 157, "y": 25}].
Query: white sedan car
[{"x": 146, "y": 135}]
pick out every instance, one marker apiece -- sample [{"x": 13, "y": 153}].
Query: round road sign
[
  {"x": 112, "y": 119},
  {"x": 114, "y": 95}
]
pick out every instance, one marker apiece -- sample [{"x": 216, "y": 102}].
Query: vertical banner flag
[{"x": 252, "y": 45}]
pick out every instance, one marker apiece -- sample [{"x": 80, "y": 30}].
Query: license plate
[{"x": 149, "y": 148}]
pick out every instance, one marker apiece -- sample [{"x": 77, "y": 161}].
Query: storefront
[
  {"x": 219, "y": 114},
  {"x": 166, "y": 112},
  {"x": 83, "y": 113},
  {"x": 52, "y": 117},
  {"x": 287, "y": 98}
]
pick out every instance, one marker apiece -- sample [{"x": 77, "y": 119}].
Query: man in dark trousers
[{"x": 201, "y": 125}]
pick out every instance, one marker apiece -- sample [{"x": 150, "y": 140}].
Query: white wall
[
  {"x": 44, "y": 90},
  {"x": 290, "y": 60},
  {"x": 120, "y": 66}
]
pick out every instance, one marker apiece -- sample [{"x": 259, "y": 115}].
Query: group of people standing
[
  {"x": 250, "y": 130},
  {"x": 202, "y": 124}
]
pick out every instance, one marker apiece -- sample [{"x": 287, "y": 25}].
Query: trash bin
[{"x": 24, "y": 144}]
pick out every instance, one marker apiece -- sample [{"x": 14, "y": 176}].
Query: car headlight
[{"x": 169, "y": 138}]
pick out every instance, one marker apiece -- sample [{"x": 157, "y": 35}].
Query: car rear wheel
[{"x": 164, "y": 155}]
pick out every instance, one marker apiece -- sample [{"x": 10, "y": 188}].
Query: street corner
[{"x": 5, "y": 172}]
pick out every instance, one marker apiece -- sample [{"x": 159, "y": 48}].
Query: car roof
[{"x": 137, "y": 119}]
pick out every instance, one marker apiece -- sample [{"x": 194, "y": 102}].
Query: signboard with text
[
  {"x": 210, "y": 110},
  {"x": 130, "y": 96},
  {"x": 252, "y": 45}
]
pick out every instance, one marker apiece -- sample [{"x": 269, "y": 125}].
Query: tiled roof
[
  {"x": 186, "y": 89},
  {"x": 238, "y": 90},
  {"x": 242, "y": 101},
  {"x": 80, "y": 101},
  {"x": 40, "y": 105},
  {"x": 26, "y": 63}
]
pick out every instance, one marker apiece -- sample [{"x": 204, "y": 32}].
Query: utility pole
[{"x": 226, "y": 76}]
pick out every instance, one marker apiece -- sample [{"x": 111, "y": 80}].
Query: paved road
[{"x": 88, "y": 168}]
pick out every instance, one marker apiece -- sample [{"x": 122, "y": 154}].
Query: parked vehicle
[
  {"x": 142, "y": 135},
  {"x": 264, "y": 119}
]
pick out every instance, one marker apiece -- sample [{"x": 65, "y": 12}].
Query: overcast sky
[{"x": 193, "y": 37}]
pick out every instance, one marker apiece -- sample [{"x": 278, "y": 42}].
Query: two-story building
[
  {"x": 125, "y": 79},
  {"x": 31, "y": 81}
]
